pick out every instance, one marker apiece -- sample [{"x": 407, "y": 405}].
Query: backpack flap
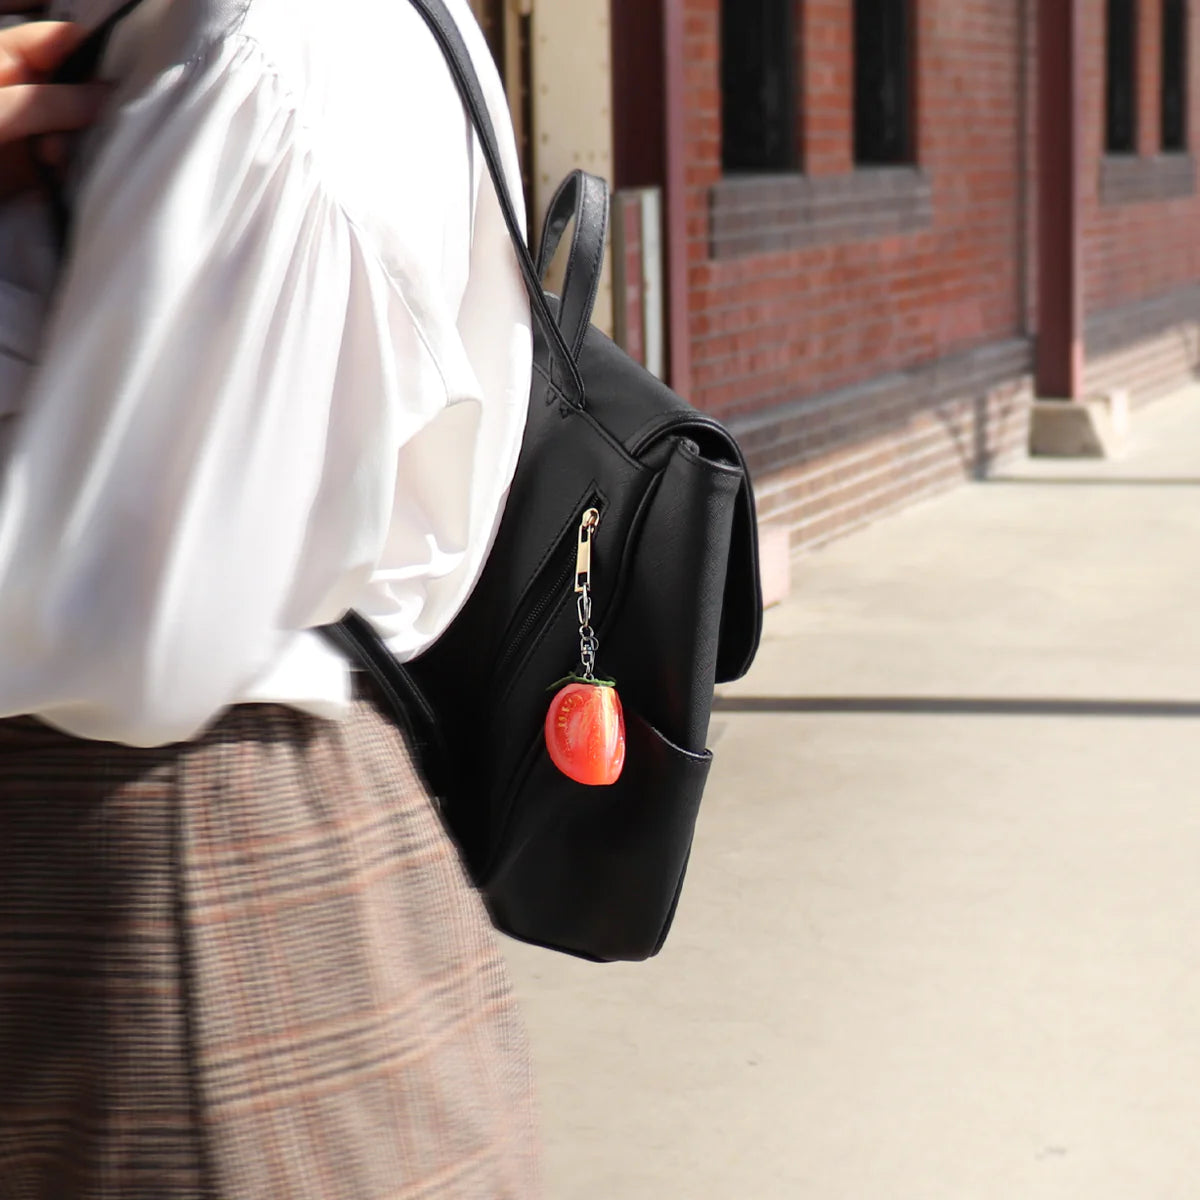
[
  {"x": 742, "y": 606},
  {"x": 742, "y": 614}
]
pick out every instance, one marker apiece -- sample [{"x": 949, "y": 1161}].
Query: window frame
[{"x": 767, "y": 212}]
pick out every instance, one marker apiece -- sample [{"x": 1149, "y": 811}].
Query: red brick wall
[
  {"x": 865, "y": 365},
  {"x": 1134, "y": 251},
  {"x": 827, "y": 77},
  {"x": 824, "y": 468},
  {"x": 776, "y": 328}
]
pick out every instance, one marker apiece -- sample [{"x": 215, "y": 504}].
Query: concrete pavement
[{"x": 941, "y": 936}]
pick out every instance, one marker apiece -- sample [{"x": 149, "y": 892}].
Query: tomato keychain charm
[
  {"x": 585, "y": 732},
  {"x": 585, "y": 727}
]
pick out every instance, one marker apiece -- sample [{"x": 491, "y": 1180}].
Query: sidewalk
[{"x": 941, "y": 936}]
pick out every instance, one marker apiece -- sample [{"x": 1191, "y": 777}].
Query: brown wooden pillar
[
  {"x": 639, "y": 95},
  {"x": 1060, "y": 355}
]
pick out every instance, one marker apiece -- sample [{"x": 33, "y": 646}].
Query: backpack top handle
[{"x": 581, "y": 198}]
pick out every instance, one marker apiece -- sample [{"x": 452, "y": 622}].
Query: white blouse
[{"x": 284, "y": 373}]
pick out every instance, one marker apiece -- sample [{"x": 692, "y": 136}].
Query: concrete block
[
  {"x": 1094, "y": 428},
  {"x": 775, "y": 563}
]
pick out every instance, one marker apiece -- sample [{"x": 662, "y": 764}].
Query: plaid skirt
[{"x": 247, "y": 968}]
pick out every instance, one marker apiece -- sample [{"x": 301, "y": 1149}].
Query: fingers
[
  {"x": 32, "y": 109},
  {"x": 27, "y": 52}
]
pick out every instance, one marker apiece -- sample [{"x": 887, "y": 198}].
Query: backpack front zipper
[{"x": 560, "y": 571}]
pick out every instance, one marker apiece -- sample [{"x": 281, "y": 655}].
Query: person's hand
[{"x": 31, "y": 107}]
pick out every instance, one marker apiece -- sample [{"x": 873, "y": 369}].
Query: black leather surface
[
  {"x": 662, "y": 558},
  {"x": 590, "y": 865}
]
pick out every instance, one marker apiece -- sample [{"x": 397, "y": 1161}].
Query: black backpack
[{"x": 593, "y": 871}]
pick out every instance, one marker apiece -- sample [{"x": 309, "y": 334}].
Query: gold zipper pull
[{"x": 583, "y": 558}]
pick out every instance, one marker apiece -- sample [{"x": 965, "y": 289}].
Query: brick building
[{"x": 853, "y": 193}]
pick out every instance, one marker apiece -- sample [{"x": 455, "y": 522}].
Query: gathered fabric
[{"x": 283, "y": 372}]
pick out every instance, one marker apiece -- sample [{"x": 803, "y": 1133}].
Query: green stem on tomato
[{"x": 609, "y": 683}]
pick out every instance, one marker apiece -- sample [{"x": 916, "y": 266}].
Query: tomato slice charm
[
  {"x": 585, "y": 732},
  {"x": 585, "y": 727}
]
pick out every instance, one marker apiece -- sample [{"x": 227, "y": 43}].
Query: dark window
[
  {"x": 883, "y": 82},
  {"x": 1174, "y": 75},
  {"x": 1121, "y": 104},
  {"x": 758, "y": 57}
]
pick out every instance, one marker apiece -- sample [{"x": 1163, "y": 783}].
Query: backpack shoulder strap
[{"x": 458, "y": 58}]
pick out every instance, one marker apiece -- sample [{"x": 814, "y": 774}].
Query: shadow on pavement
[
  {"x": 1090, "y": 481},
  {"x": 957, "y": 706}
]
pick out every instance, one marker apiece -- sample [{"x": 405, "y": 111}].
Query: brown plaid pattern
[{"x": 247, "y": 968}]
